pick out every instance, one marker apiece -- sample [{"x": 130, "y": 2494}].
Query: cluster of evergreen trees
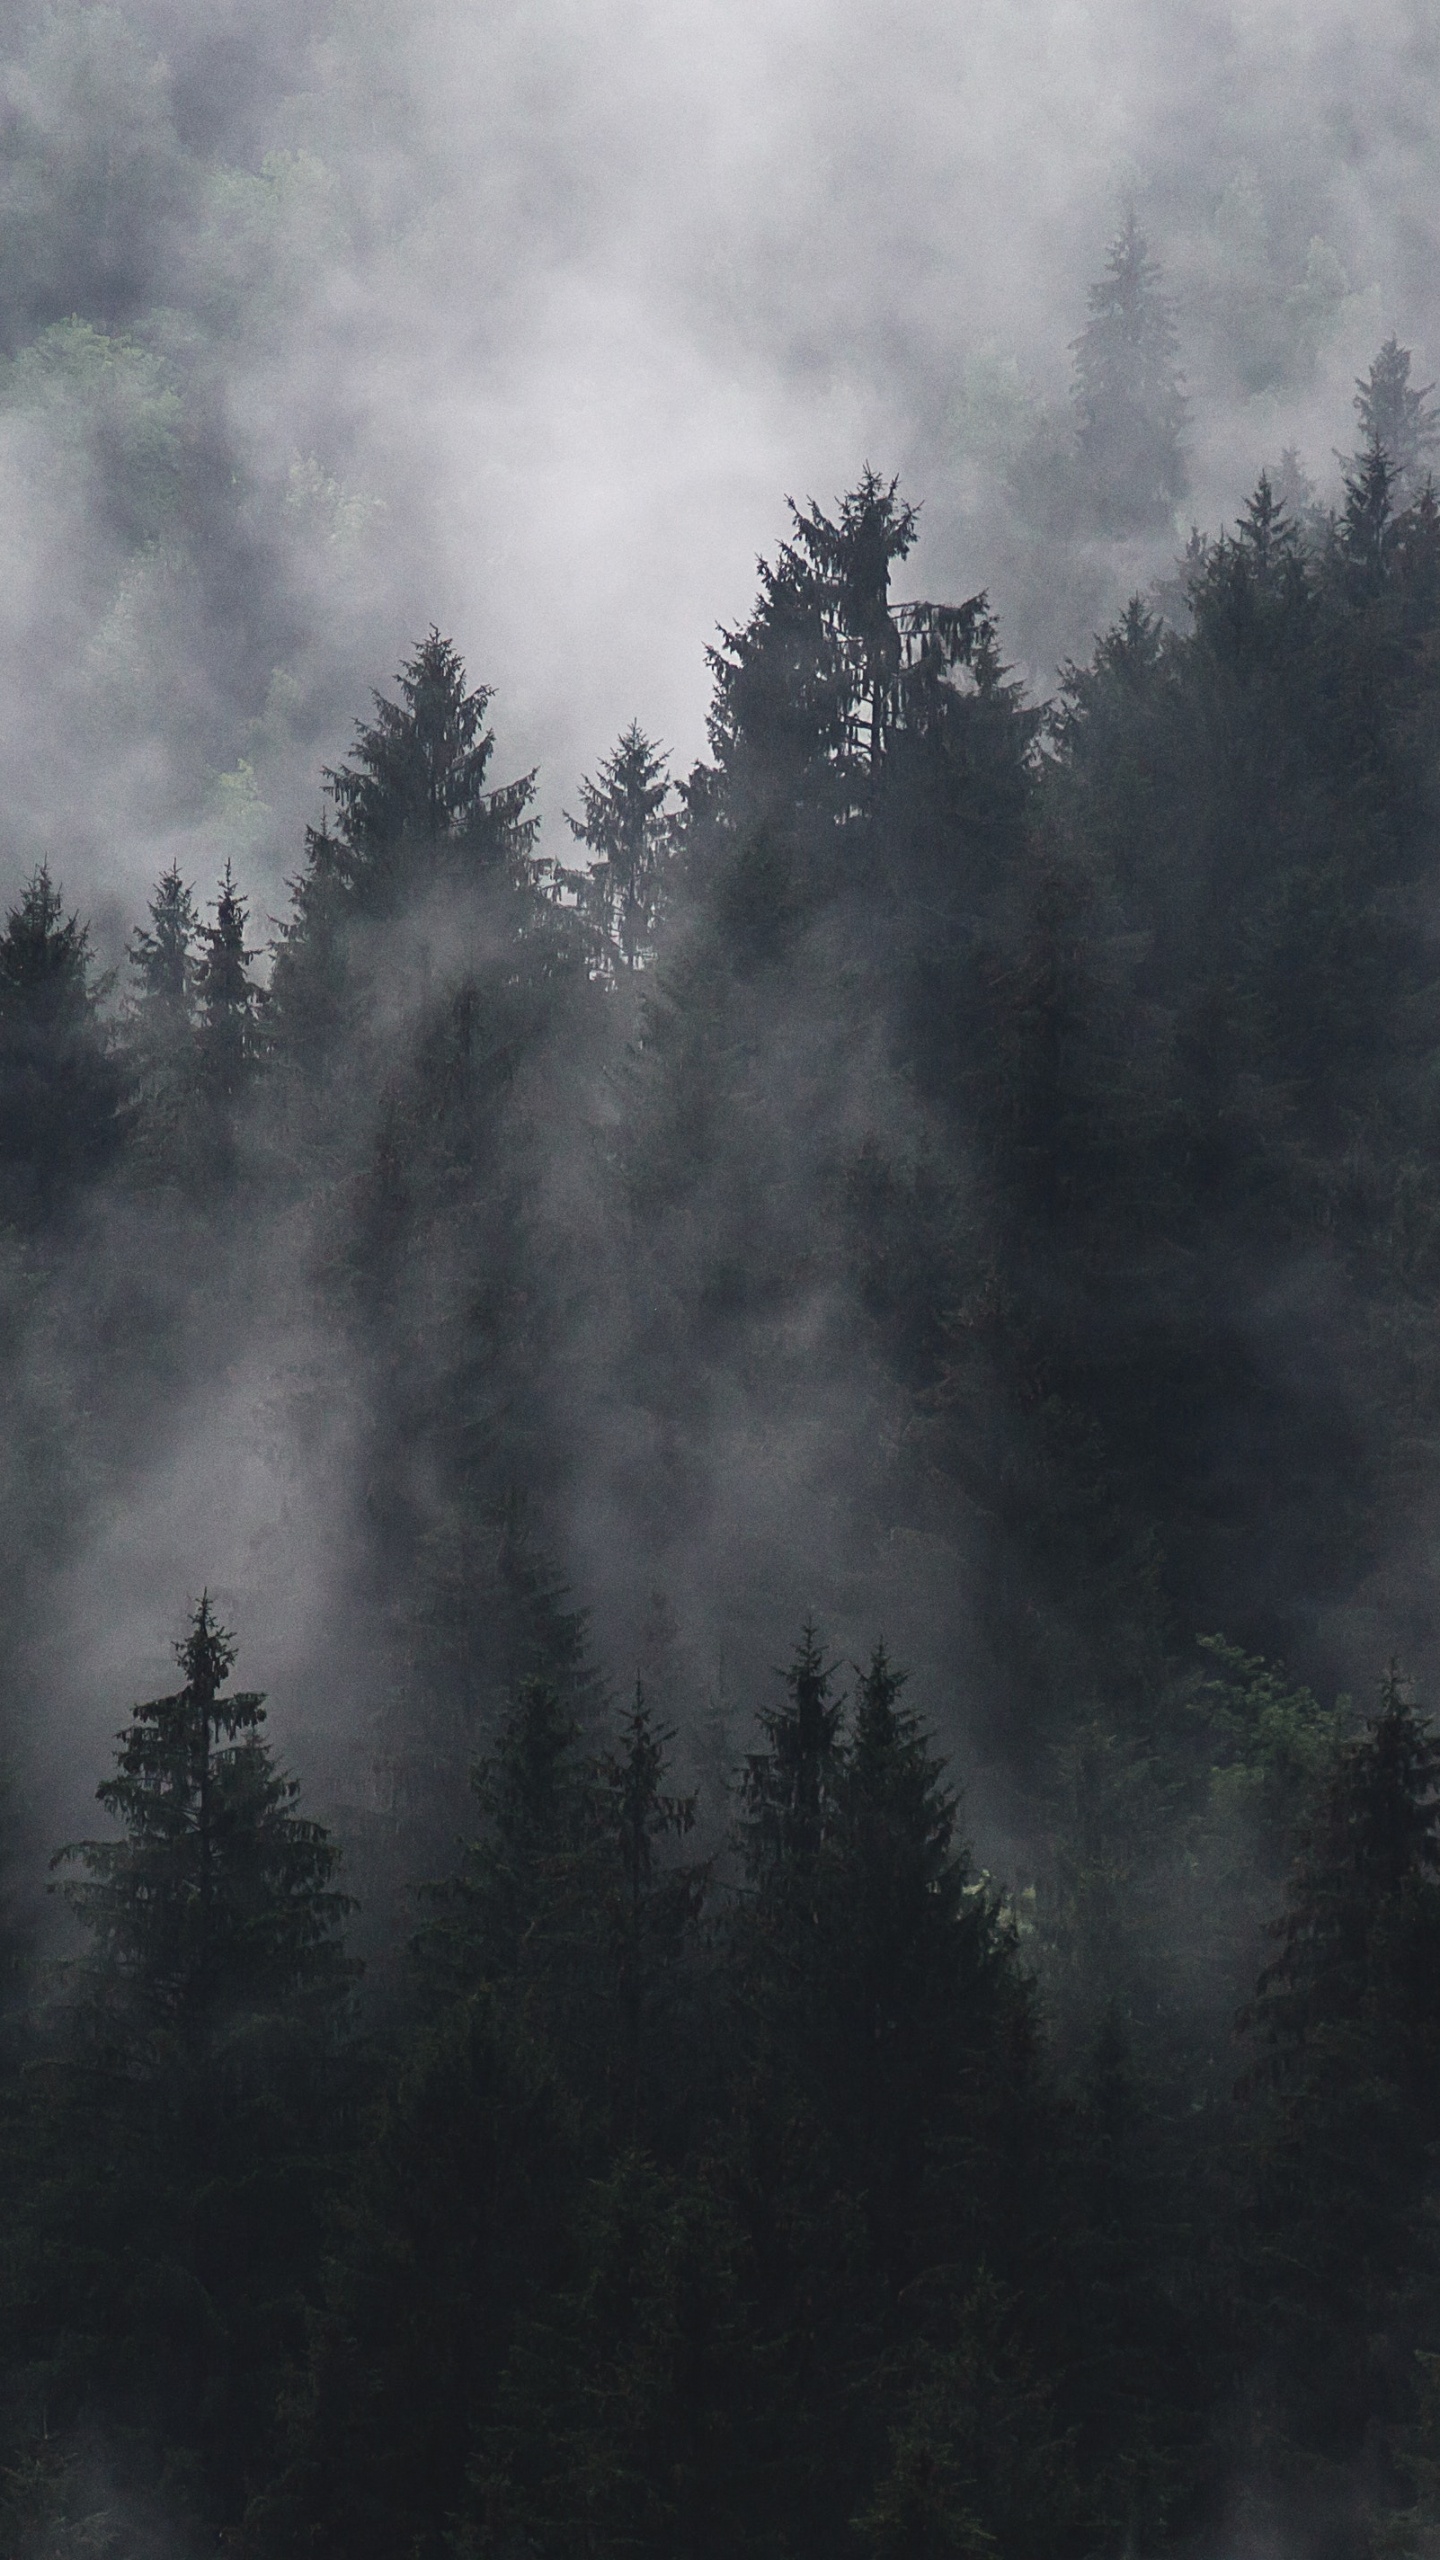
[{"x": 711, "y": 2157}]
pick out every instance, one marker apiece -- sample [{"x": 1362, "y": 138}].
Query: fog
[
  {"x": 326, "y": 325},
  {"x": 526, "y": 323}
]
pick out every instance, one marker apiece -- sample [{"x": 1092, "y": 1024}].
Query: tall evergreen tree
[
  {"x": 229, "y": 997},
  {"x": 162, "y": 953},
  {"x": 1344, "y": 2036},
  {"x": 61, "y": 1087},
  {"x": 216, "y": 1905},
  {"x": 414, "y": 815},
  {"x": 788, "y": 1790},
  {"x": 158, "y": 1028},
  {"x": 186, "y": 2114},
  {"x": 632, "y": 841},
  {"x": 1397, "y": 418},
  {"x": 1129, "y": 406}
]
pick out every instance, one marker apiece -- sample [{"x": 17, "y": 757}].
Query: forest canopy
[{"x": 853, "y": 1961}]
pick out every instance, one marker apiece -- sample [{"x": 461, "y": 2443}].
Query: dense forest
[
  {"x": 973, "y": 1159},
  {"x": 807, "y": 1372}
]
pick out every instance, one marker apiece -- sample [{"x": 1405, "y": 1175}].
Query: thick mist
[{"x": 325, "y": 325}]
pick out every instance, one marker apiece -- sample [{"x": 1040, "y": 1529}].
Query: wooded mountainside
[{"x": 999, "y": 1145}]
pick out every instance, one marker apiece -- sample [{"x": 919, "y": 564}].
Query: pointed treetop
[
  {"x": 420, "y": 765},
  {"x": 626, "y": 828},
  {"x": 1129, "y": 403},
  {"x": 162, "y": 954},
  {"x": 1395, "y": 417},
  {"x": 45, "y": 956}
]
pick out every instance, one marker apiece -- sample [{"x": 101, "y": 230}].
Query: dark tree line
[{"x": 712, "y": 2156}]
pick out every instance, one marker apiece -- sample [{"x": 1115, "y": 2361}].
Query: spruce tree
[
  {"x": 650, "y": 1905},
  {"x": 1129, "y": 405},
  {"x": 162, "y": 954},
  {"x": 413, "y": 816},
  {"x": 632, "y": 840},
  {"x": 216, "y": 1908},
  {"x": 1344, "y": 2105},
  {"x": 788, "y": 1789},
  {"x": 61, "y": 1087},
  {"x": 186, "y": 2113},
  {"x": 158, "y": 1029},
  {"x": 229, "y": 998},
  {"x": 1396, "y": 418}
]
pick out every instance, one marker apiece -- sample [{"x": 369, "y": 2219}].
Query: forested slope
[{"x": 962, "y": 1166}]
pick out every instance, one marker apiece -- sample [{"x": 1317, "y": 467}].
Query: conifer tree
[
  {"x": 1130, "y": 409},
  {"x": 162, "y": 954},
  {"x": 649, "y": 1906},
  {"x": 216, "y": 1907},
  {"x": 187, "y": 2114},
  {"x": 632, "y": 841},
  {"x": 1344, "y": 2087},
  {"x": 61, "y": 1088},
  {"x": 413, "y": 814},
  {"x": 1396, "y": 418},
  {"x": 228, "y": 998},
  {"x": 158, "y": 1028},
  {"x": 788, "y": 1790}
]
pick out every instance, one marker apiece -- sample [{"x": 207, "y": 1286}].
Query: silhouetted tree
[
  {"x": 61, "y": 1087},
  {"x": 1396, "y": 418},
  {"x": 186, "y": 2115},
  {"x": 228, "y": 999},
  {"x": 1130, "y": 409},
  {"x": 626, "y": 829}
]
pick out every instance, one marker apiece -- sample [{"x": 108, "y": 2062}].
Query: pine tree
[
  {"x": 186, "y": 2116},
  {"x": 1367, "y": 529},
  {"x": 1130, "y": 408},
  {"x": 228, "y": 997},
  {"x": 650, "y": 1907},
  {"x": 413, "y": 815},
  {"x": 158, "y": 1030},
  {"x": 1344, "y": 2099},
  {"x": 162, "y": 955},
  {"x": 625, "y": 827},
  {"x": 61, "y": 1088},
  {"x": 787, "y": 1792},
  {"x": 510, "y": 1919},
  {"x": 216, "y": 1907},
  {"x": 1396, "y": 419}
]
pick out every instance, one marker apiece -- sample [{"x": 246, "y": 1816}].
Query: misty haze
[{"x": 720, "y": 1280}]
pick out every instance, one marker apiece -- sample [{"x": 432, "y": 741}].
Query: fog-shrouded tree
[
  {"x": 1130, "y": 408},
  {"x": 61, "y": 1085},
  {"x": 158, "y": 1028},
  {"x": 627, "y": 831},
  {"x": 215, "y": 1906},
  {"x": 163, "y": 954},
  {"x": 1397, "y": 418},
  {"x": 1344, "y": 2108},
  {"x": 414, "y": 814},
  {"x": 229, "y": 997},
  {"x": 191, "y": 2088}
]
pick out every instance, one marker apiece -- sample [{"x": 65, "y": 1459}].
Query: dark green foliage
[
  {"x": 631, "y": 840},
  {"x": 455, "y": 2220},
  {"x": 162, "y": 954},
  {"x": 176, "y": 2129},
  {"x": 61, "y": 1088},
  {"x": 228, "y": 999},
  {"x": 1396, "y": 416},
  {"x": 1130, "y": 409},
  {"x": 1344, "y": 2036},
  {"x": 215, "y": 1905},
  {"x": 415, "y": 818},
  {"x": 976, "y": 1166}
]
